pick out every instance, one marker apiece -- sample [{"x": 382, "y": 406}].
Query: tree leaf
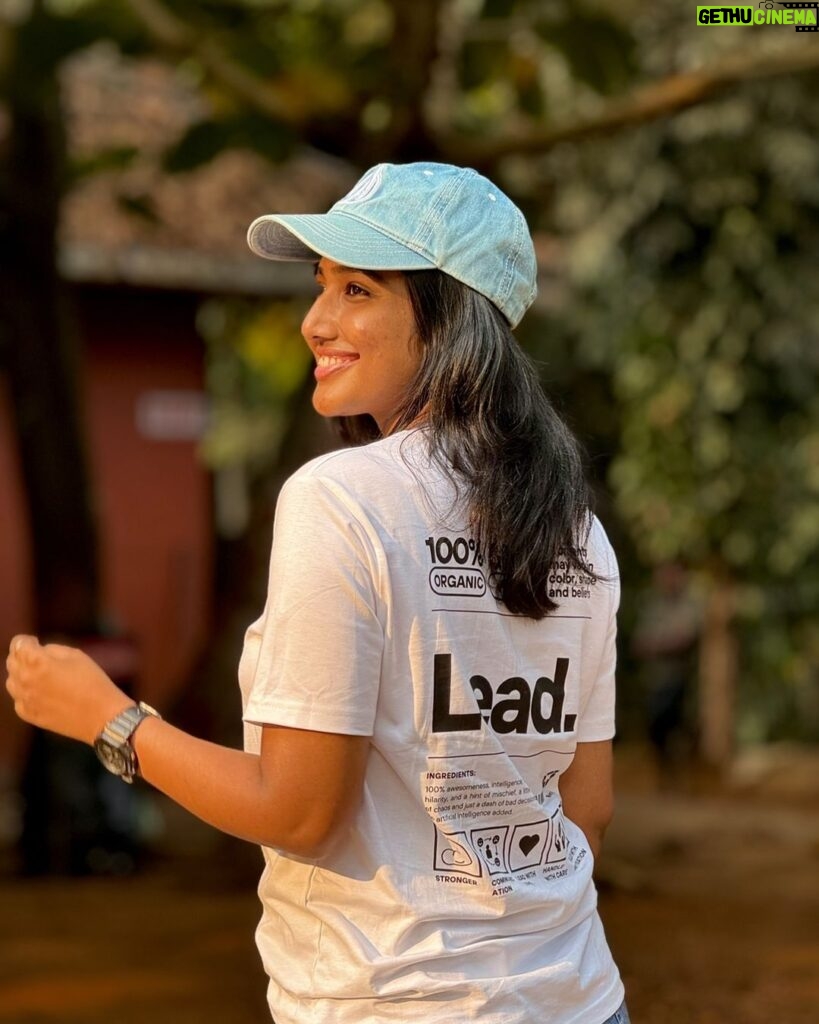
[
  {"x": 599, "y": 51},
  {"x": 206, "y": 139}
]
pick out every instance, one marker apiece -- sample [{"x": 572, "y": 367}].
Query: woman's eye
[{"x": 356, "y": 289}]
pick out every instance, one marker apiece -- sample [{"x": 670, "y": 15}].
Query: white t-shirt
[{"x": 461, "y": 892}]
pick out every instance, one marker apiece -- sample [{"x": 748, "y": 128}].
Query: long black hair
[{"x": 492, "y": 429}]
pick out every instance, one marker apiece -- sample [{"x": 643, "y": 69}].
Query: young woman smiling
[
  {"x": 428, "y": 695},
  {"x": 362, "y": 332}
]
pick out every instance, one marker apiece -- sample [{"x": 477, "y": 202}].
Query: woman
[{"x": 428, "y": 694}]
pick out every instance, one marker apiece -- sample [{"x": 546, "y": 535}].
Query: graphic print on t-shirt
[
  {"x": 457, "y": 570},
  {"x": 453, "y": 854},
  {"x": 457, "y": 566},
  {"x": 529, "y": 841},
  {"x": 514, "y": 705},
  {"x": 498, "y": 832},
  {"x": 491, "y": 845},
  {"x": 497, "y": 811}
]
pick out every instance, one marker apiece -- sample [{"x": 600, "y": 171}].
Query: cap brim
[{"x": 336, "y": 235}]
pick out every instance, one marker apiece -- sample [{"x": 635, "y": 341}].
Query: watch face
[{"x": 112, "y": 757}]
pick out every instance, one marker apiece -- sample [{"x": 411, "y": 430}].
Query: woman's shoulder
[
  {"x": 597, "y": 540},
  {"x": 599, "y": 555},
  {"x": 365, "y": 479},
  {"x": 388, "y": 456}
]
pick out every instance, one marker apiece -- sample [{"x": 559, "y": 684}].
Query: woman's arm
[
  {"x": 587, "y": 791},
  {"x": 296, "y": 795}
]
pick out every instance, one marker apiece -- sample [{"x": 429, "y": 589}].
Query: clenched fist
[{"x": 61, "y": 689}]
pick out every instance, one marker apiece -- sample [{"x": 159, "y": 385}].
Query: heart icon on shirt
[{"x": 528, "y": 843}]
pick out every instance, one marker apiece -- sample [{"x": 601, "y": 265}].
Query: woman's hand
[{"x": 61, "y": 689}]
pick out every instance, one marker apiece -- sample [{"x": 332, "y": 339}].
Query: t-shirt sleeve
[
  {"x": 320, "y": 640},
  {"x": 596, "y": 720}
]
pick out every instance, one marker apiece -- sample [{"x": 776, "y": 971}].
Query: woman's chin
[{"x": 326, "y": 407}]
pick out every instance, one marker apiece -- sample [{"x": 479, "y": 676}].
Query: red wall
[
  {"x": 153, "y": 494},
  {"x": 16, "y": 589}
]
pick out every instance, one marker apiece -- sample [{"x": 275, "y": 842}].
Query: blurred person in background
[
  {"x": 428, "y": 695},
  {"x": 666, "y": 639}
]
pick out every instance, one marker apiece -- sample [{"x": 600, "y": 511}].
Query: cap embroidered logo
[{"x": 366, "y": 188}]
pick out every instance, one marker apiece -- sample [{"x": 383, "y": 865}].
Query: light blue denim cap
[{"x": 417, "y": 217}]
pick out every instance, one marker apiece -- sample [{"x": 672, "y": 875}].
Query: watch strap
[
  {"x": 118, "y": 733},
  {"x": 120, "y": 729}
]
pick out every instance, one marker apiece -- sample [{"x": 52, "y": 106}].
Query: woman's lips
[{"x": 326, "y": 366}]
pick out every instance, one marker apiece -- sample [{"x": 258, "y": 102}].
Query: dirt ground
[{"x": 711, "y": 904}]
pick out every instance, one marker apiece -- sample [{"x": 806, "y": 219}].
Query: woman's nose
[{"x": 318, "y": 322}]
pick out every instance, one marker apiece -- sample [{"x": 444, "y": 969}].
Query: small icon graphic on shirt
[
  {"x": 490, "y": 843},
  {"x": 546, "y": 786},
  {"x": 456, "y": 856},
  {"x": 453, "y": 854},
  {"x": 528, "y": 843},
  {"x": 556, "y": 850}
]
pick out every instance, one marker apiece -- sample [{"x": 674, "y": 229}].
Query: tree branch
[
  {"x": 659, "y": 99},
  {"x": 177, "y": 36},
  {"x": 649, "y": 102}
]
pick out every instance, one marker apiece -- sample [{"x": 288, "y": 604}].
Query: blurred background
[{"x": 155, "y": 392}]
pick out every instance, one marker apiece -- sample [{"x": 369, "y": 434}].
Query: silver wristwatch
[{"x": 114, "y": 745}]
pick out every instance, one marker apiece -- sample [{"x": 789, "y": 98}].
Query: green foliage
[
  {"x": 256, "y": 361},
  {"x": 141, "y": 206},
  {"x": 599, "y": 52},
  {"x": 115, "y": 159},
  {"x": 82, "y": 22},
  {"x": 689, "y": 248},
  {"x": 321, "y": 54},
  {"x": 45, "y": 39},
  {"x": 205, "y": 140}
]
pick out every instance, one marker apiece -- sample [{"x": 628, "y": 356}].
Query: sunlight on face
[{"x": 361, "y": 330}]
